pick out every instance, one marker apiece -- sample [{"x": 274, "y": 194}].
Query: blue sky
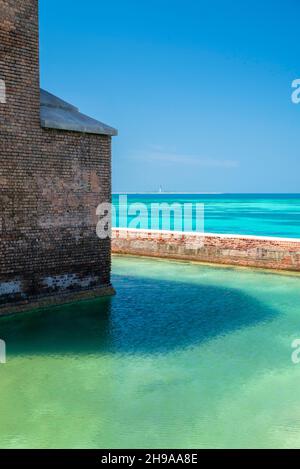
[{"x": 200, "y": 91}]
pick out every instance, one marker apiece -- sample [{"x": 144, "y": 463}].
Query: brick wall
[
  {"x": 250, "y": 251},
  {"x": 51, "y": 182}
]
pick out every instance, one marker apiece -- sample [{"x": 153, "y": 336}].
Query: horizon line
[{"x": 201, "y": 193}]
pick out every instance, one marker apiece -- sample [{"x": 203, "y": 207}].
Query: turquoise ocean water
[
  {"x": 184, "y": 356},
  {"x": 252, "y": 214}
]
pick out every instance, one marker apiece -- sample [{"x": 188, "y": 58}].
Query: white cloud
[{"x": 158, "y": 155}]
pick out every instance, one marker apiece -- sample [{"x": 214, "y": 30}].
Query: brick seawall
[{"x": 249, "y": 251}]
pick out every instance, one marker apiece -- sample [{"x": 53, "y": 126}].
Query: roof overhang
[{"x": 60, "y": 115}]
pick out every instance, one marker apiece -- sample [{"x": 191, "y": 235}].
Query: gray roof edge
[
  {"x": 60, "y": 115},
  {"x": 50, "y": 100},
  {"x": 52, "y": 124}
]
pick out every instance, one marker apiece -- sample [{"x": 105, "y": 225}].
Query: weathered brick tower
[{"x": 55, "y": 168}]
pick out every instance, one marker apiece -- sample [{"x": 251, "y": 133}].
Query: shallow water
[
  {"x": 184, "y": 356},
  {"x": 251, "y": 214}
]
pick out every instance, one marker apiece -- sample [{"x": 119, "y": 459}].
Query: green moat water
[{"x": 183, "y": 356}]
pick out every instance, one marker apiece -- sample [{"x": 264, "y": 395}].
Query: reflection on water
[
  {"x": 183, "y": 356},
  {"x": 147, "y": 317}
]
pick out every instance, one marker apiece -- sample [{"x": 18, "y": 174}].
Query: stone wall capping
[{"x": 282, "y": 254}]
